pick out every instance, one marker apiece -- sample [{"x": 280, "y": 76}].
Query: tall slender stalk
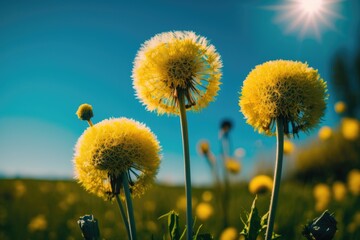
[
  {"x": 129, "y": 206},
  {"x": 123, "y": 215},
  {"x": 185, "y": 141},
  {"x": 277, "y": 177},
  {"x": 225, "y": 149}
]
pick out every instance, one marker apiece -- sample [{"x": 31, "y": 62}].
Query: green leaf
[
  {"x": 173, "y": 224},
  {"x": 252, "y": 226}
]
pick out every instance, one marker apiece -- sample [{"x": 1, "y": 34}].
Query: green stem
[
  {"x": 225, "y": 147},
  {"x": 123, "y": 215},
  {"x": 185, "y": 141},
  {"x": 277, "y": 177},
  {"x": 129, "y": 206}
]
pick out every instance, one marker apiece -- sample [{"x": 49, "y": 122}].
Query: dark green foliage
[
  {"x": 255, "y": 224},
  {"x": 174, "y": 228}
]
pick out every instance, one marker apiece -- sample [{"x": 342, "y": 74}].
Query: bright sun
[
  {"x": 307, "y": 17},
  {"x": 311, "y": 6}
]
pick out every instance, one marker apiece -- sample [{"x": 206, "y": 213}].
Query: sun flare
[{"x": 307, "y": 17}]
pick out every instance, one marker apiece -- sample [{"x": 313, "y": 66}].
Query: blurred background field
[{"x": 39, "y": 209}]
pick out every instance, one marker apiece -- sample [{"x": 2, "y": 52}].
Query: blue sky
[{"x": 55, "y": 55}]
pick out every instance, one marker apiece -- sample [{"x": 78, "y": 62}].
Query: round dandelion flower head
[
  {"x": 113, "y": 147},
  {"x": 174, "y": 63},
  {"x": 260, "y": 184},
  {"x": 232, "y": 165},
  {"x": 283, "y": 89}
]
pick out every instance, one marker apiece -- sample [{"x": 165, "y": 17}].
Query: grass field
[{"x": 43, "y": 209}]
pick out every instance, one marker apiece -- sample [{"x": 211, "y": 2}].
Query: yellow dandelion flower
[
  {"x": 325, "y": 133},
  {"x": 204, "y": 147},
  {"x": 181, "y": 203},
  {"x": 321, "y": 205},
  {"x": 116, "y": 146},
  {"x": 340, "y": 107},
  {"x": 288, "y": 147},
  {"x": 350, "y": 128},
  {"x": 20, "y": 188},
  {"x": 339, "y": 191},
  {"x": 38, "y": 223},
  {"x": 322, "y": 195},
  {"x": 232, "y": 165},
  {"x": 204, "y": 211},
  {"x": 283, "y": 89},
  {"x": 176, "y": 61},
  {"x": 321, "y": 191},
  {"x": 207, "y": 196},
  {"x": 229, "y": 233},
  {"x": 260, "y": 184},
  {"x": 353, "y": 182}
]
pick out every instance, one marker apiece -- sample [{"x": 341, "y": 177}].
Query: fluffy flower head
[
  {"x": 116, "y": 146},
  {"x": 176, "y": 61},
  {"x": 283, "y": 89}
]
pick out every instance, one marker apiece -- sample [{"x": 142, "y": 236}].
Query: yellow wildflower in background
[
  {"x": 20, "y": 188},
  {"x": 38, "y": 223},
  {"x": 288, "y": 146},
  {"x": 232, "y": 165},
  {"x": 339, "y": 191},
  {"x": 340, "y": 107},
  {"x": 207, "y": 196},
  {"x": 325, "y": 133},
  {"x": 204, "y": 147},
  {"x": 322, "y": 195},
  {"x": 204, "y": 211},
  {"x": 229, "y": 233},
  {"x": 116, "y": 146},
  {"x": 283, "y": 89},
  {"x": 176, "y": 61},
  {"x": 353, "y": 182},
  {"x": 350, "y": 128},
  {"x": 260, "y": 184},
  {"x": 181, "y": 203}
]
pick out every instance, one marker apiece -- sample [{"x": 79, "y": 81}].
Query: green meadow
[{"x": 44, "y": 209}]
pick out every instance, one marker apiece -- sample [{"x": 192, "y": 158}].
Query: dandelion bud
[
  {"x": 89, "y": 227},
  {"x": 323, "y": 227},
  {"x": 85, "y": 112},
  {"x": 226, "y": 126}
]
